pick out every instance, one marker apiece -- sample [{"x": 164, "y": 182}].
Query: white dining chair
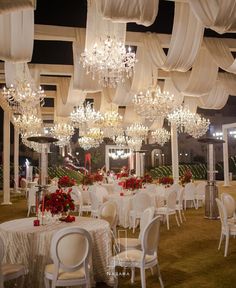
[
  {"x": 31, "y": 201},
  {"x": 227, "y": 228},
  {"x": 169, "y": 209},
  {"x": 10, "y": 272},
  {"x": 179, "y": 204},
  {"x": 108, "y": 212},
  {"x": 189, "y": 195},
  {"x": 95, "y": 204},
  {"x": 145, "y": 258},
  {"x": 200, "y": 193},
  {"x": 70, "y": 251},
  {"x": 230, "y": 205},
  {"x": 139, "y": 203}
]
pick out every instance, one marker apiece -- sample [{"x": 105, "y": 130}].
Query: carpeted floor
[{"x": 188, "y": 255}]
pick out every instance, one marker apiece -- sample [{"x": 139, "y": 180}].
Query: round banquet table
[{"x": 30, "y": 246}]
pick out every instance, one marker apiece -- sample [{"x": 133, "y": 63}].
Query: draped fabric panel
[
  {"x": 7, "y": 6},
  {"x": 142, "y": 12},
  {"x": 221, "y": 54},
  {"x": 191, "y": 103},
  {"x": 228, "y": 80},
  {"x": 130, "y": 116},
  {"x": 185, "y": 41},
  {"x": 170, "y": 87},
  {"x": 158, "y": 123},
  {"x": 201, "y": 79},
  {"x": 15, "y": 72},
  {"x": 17, "y": 36},
  {"x": 219, "y": 15}
]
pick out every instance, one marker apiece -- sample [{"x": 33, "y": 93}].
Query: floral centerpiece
[
  {"x": 147, "y": 178},
  {"x": 166, "y": 180},
  {"x": 89, "y": 179},
  {"x": 97, "y": 177},
  {"x": 58, "y": 202},
  {"x": 132, "y": 183},
  {"x": 186, "y": 177},
  {"x": 66, "y": 181}
]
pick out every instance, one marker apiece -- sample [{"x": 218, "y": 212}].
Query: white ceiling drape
[
  {"x": 7, "y": 6},
  {"x": 219, "y": 15},
  {"x": 142, "y": 12}
]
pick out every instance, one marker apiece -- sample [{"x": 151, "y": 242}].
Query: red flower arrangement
[
  {"x": 89, "y": 179},
  {"x": 97, "y": 177},
  {"x": 58, "y": 202},
  {"x": 186, "y": 177},
  {"x": 66, "y": 181},
  {"x": 147, "y": 178},
  {"x": 121, "y": 175},
  {"x": 166, "y": 180},
  {"x": 133, "y": 183}
]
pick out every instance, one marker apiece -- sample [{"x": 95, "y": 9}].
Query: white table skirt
[{"x": 30, "y": 246}]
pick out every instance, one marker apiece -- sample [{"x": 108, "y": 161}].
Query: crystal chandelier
[
  {"x": 137, "y": 130},
  {"x": 111, "y": 119},
  {"x": 83, "y": 115},
  {"x": 161, "y": 136},
  {"x": 24, "y": 96},
  {"x": 120, "y": 140},
  {"x": 153, "y": 103},
  {"x": 87, "y": 143},
  {"x": 27, "y": 122},
  {"x": 109, "y": 62},
  {"x": 63, "y": 132},
  {"x": 181, "y": 117},
  {"x": 118, "y": 154},
  {"x": 134, "y": 143},
  {"x": 96, "y": 134},
  {"x": 37, "y": 147},
  {"x": 198, "y": 127}
]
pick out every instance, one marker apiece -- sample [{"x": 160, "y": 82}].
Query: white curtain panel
[
  {"x": 228, "y": 80},
  {"x": 221, "y": 54},
  {"x": 131, "y": 117},
  {"x": 7, "y": 6},
  {"x": 201, "y": 79},
  {"x": 17, "y": 36},
  {"x": 216, "y": 99},
  {"x": 142, "y": 12},
  {"x": 219, "y": 15},
  {"x": 185, "y": 42},
  {"x": 191, "y": 103},
  {"x": 170, "y": 87},
  {"x": 15, "y": 72},
  {"x": 157, "y": 123}
]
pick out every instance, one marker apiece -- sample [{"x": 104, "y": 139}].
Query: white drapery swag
[
  {"x": 142, "y": 12},
  {"x": 201, "y": 79},
  {"x": 131, "y": 117},
  {"x": 17, "y": 36},
  {"x": 219, "y": 15},
  {"x": 221, "y": 54},
  {"x": 7, "y": 6},
  {"x": 16, "y": 72},
  {"x": 185, "y": 41}
]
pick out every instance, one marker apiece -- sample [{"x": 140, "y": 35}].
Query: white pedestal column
[
  {"x": 137, "y": 164},
  {"x": 131, "y": 160},
  {"x": 226, "y": 158},
  {"x": 174, "y": 153},
  {"x": 142, "y": 164},
  {"x": 44, "y": 165},
  {"x": 6, "y": 159},
  {"x": 16, "y": 159}
]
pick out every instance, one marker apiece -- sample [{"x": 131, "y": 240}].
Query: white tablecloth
[{"x": 30, "y": 246}]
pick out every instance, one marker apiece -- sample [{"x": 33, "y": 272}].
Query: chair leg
[
  {"x": 180, "y": 216},
  {"x": 132, "y": 275},
  {"x": 28, "y": 213},
  {"x": 152, "y": 272},
  {"x": 46, "y": 282},
  {"x": 176, "y": 218},
  {"x": 143, "y": 278},
  {"x": 221, "y": 238},
  {"x": 21, "y": 281},
  {"x": 226, "y": 244},
  {"x": 134, "y": 223},
  {"x": 182, "y": 211},
  {"x": 159, "y": 276},
  {"x": 167, "y": 222}
]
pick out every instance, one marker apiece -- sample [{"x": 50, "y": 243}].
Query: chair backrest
[
  {"x": 85, "y": 194},
  {"x": 101, "y": 193},
  {"x": 23, "y": 183},
  {"x": 31, "y": 195},
  {"x": 2, "y": 250},
  {"x": 141, "y": 201},
  {"x": 95, "y": 203},
  {"x": 145, "y": 219},
  {"x": 70, "y": 249},
  {"x": 229, "y": 204},
  {"x": 76, "y": 195},
  {"x": 108, "y": 212},
  {"x": 171, "y": 200},
  {"x": 222, "y": 212},
  {"x": 189, "y": 191},
  {"x": 200, "y": 188},
  {"x": 150, "y": 237},
  {"x": 175, "y": 187},
  {"x": 180, "y": 195}
]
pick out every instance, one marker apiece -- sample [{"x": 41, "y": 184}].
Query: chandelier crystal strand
[
  {"x": 96, "y": 134},
  {"x": 109, "y": 62},
  {"x": 134, "y": 144},
  {"x": 161, "y": 136},
  {"x": 63, "y": 131},
  {"x": 181, "y": 117},
  {"x": 118, "y": 154},
  {"x": 198, "y": 127},
  {"x": 110, "y": 123},
  {"x": 137, "y": 131},
  {"x": 153, "y": 103},
  {"x": 87, "y": 143},
  {"x": 27, "y": 122},
  {"x": 83, "y": 115}
]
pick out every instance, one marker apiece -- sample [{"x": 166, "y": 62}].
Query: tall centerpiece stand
[
  {"x": 211, "y": 190},
  {"x": 45, "y": 141}
]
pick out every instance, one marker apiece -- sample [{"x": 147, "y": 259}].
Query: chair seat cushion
[
  {"x": 8, "y": 271},
  {"x": 78, "y": 274},
  {"x": 131, "y": 257},
  {"x": 129, "y": 243}
]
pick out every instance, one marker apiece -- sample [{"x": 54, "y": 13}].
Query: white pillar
[
  {"x": 142, "y": 164},
  {"x": 16, "y": 159},
  {"x": 107, "y": 160},
  {"x": 6, "y": 159},
  {"x": 211, "y": 166},
  {"x": 44, "y": 165},
  {"x": 131, "y": 160},
  {"x": 226, "y": 157},
  {"x": 174, "y": 153},
  {"x": 137, "y": 164}
]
